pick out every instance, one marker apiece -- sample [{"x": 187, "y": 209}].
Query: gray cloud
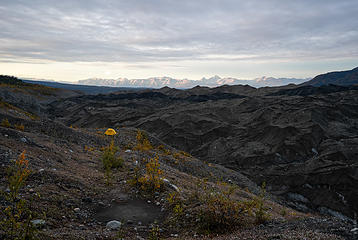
[{"x": 163, "y": 30}]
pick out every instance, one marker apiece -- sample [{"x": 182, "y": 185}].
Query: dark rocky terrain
[
  {"x": 301, "y": 140},
  {"x": 344, "y": 78}
]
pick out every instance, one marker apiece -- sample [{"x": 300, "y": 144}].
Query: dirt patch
[{"x": 133, "y": 211}]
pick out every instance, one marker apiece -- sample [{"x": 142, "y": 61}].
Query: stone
[
  {"x": 87, "y": 200},
  {"x": 166, "y": 181},
  {"x": 297, "y": 197},
  {"x": 314, "y": 151},
  {"x": 77, "y": 210},
  {"x": 38, "y": 223},
  {"x": 113, "y": 225}
]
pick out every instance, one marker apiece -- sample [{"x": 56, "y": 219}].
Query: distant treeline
[{"x": 4, "y": 79}]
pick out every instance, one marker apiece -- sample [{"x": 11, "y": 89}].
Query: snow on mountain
[
  {"x": 159, "y": 82},
  {"x": 270, "y": 81}
]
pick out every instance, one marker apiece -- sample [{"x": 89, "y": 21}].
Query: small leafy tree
[
  {"x": 110, "y": 160},
  {"x": 261, "y": 214}
]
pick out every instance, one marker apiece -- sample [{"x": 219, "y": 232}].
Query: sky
[{"x": 70, "y": 40}]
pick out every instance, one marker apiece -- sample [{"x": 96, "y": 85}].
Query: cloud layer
[{"x": 170, "y": 30}]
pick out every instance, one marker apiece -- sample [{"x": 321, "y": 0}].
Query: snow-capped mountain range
[{"x": 158, "y": 82}]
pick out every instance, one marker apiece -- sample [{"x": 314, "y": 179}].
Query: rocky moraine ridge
[{"x": 301, "y": 140}]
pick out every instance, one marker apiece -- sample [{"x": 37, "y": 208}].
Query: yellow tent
[{"x": 110, "y": 132}]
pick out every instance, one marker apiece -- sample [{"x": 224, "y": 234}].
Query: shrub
[
  {"x": 148, "y": 180},
  {"x": 110, "y": 161},
  {"x": 214, "y": 209},
  {"x": 143, "y": 143},
  {"x": 261, "y": 214},
  {"x": 185, "y": 154},
  {"x": 176, "y": 204},
  {"x": 219, "y": 212},
  {"x": 152, "y": 180},
  {"x": 16, "y": 223},
  {"x": 5, "y": 123},
  {"x": 19, "y": 127},
  {"x": 164, "y": 150}
]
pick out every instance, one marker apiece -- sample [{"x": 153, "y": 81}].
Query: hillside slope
[
  {"x": 343, "y": 78},
  {"x": 300, "y": 144}
]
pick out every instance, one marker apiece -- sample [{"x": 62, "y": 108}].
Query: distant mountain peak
[{"x": 159, "y": 82}]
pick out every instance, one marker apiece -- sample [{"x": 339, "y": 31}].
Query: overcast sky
[{"x": 72, "y": 40}]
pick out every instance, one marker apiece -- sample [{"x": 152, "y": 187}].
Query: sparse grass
[
  {"x": 215, "y": 208},
  {"x": 154, "y": 233},
  {"x": 283, "y": 212},
  {"x": 176, "y": 204},
  {"x": 91, "y": 149},
  {"x": 6, "y": 105},
  {"x": 16, "y": 223}
]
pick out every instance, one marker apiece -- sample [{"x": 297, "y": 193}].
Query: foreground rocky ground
[{"x": 68, "y": 174}]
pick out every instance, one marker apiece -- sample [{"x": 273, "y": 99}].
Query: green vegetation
[
  {"x": 5, "y": 123},
  {"x": 20, "y": 86},
  {"x": 176, "y": 204},
  {"x": 148, "y": 180},
  {"x": 143, "y": 143},
  {"x": 152, "y": 180},
  {"x": 154, "y": 233},
  {"x": 162, "y": 149},
  {"x": 218, "y": 211},
  {"x": 16, "y": 223},
  {"x": 10, "y": 80},
  {"x": 261, "y": 214},
  {"x": 216, "y": 208},
  {"x": 110, "y": 160},
  {"x": 19, "y": 127},
  {"x": 7, "y": 105}
]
